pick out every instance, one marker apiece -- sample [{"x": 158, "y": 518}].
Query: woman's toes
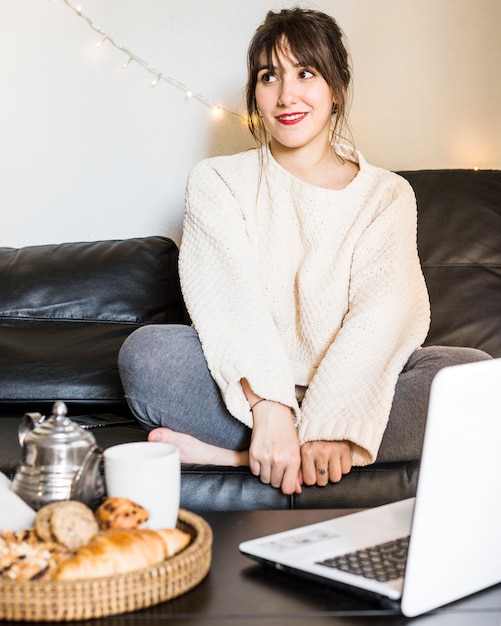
[{"x": 160, "y": 434}]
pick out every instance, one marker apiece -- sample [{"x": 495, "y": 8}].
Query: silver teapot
[{"x": 60, "y": 461}]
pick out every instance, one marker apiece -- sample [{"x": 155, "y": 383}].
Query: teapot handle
[
  {"x": 29, "y": 422},
  {"x": 88, "y": 478}
]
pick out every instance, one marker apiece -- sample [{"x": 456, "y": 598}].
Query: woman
[{"x": 299, "y": 269}]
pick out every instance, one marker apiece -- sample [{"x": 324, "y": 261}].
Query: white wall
[{"x": 88, "y": 150}]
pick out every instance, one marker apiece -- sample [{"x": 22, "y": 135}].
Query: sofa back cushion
[
  {"x": 459, "y": 241},
  {"x": 66, "y": 309},
  {"x": 130, "y": 281}
]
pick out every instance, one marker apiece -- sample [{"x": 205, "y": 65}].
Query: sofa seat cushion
[{"x": 213, "y": 488}]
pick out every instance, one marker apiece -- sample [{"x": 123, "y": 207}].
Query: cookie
[
  {"x": 73, "y": 523},
  {"x": 121, "y": 513},
  {"x": 42, "y": 521}
]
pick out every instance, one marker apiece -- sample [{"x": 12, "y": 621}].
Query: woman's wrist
[
  {"x": 260, "y": 404},
  {"x": 256, "y": 402},
  {"x": 272, "y": 411}
]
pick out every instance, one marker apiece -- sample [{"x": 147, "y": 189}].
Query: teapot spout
[{"x": 87, "y": 485}]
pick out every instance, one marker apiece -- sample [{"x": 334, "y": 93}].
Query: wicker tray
[{"x": 43, "y": 601}]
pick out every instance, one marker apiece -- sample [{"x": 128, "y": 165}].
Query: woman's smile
[{"x": 290, "y": 118}]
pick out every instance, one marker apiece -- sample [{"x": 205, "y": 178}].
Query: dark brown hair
[{"x": 316, "y": 40}]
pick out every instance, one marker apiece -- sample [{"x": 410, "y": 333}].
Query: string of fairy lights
[{"x": 217, "y": 110}]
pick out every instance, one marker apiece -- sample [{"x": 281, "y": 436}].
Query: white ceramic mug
[{"x": 149, "y": 473}]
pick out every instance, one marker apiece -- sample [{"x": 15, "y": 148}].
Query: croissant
[{"x": 121, "y": 551}]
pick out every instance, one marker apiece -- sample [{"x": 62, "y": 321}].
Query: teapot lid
[{"x": 58, "y": 428}]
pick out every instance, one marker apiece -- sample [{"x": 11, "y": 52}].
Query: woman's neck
[{"x": 316, "y": 165}]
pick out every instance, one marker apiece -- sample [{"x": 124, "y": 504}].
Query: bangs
[{"x": 306, "y": 47}]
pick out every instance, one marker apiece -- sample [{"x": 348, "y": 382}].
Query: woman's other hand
[
  {"x": 324, "y": 461},
  {"x": 274, "y": 453}
]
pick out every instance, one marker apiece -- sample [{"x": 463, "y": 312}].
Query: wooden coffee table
[{"x": 238, "y": 592}]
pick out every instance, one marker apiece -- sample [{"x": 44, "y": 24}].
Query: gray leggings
[{"x": 167, "y": 383}]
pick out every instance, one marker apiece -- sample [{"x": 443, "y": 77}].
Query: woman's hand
[
  {"x": 274, "y": 453},
  {"x": 324, "y": 461}
]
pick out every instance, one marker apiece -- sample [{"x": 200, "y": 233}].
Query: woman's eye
[
  {"x": 268, "y": 77},
  {"x": 306, "y": 74}
]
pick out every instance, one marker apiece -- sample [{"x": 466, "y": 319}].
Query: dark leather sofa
[{"x": 65, "y": 310}]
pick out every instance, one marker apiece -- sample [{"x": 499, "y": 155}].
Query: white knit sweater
[{"x": 289, "y": 284}]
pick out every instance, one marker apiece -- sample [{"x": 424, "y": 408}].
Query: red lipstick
[{"x": 289, "y": 119}]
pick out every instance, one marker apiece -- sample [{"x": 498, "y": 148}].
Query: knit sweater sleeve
[
  {"x": 351, "y": 392},
  {"x": 225, "y": 298}
]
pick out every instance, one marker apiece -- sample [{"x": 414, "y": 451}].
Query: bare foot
[{"x": 192, "y": 450}]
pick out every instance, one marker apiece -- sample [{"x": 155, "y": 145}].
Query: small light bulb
[
  {"x": 156, "y": 80},
  {"x": 189, "y": 94},
  {"x": 475, "y": 169},
  {"x": 100, "y": 43},
  {"x": 127, "y": 63},
  {"x": 217, "y": 110},
  {"x": 79, "y": 10}
]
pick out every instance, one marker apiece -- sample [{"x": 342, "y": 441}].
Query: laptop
[{"x": 440, "y": 546}]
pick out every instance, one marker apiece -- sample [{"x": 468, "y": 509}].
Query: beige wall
[
  {"x": 89, "y": 150},
  {"x": 427, "y": 86}
]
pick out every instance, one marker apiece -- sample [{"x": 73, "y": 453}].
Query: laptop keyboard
[{"x": 383, "y": 562}]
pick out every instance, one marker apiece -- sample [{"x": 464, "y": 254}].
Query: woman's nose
[{"x": 287, "y": 95}]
